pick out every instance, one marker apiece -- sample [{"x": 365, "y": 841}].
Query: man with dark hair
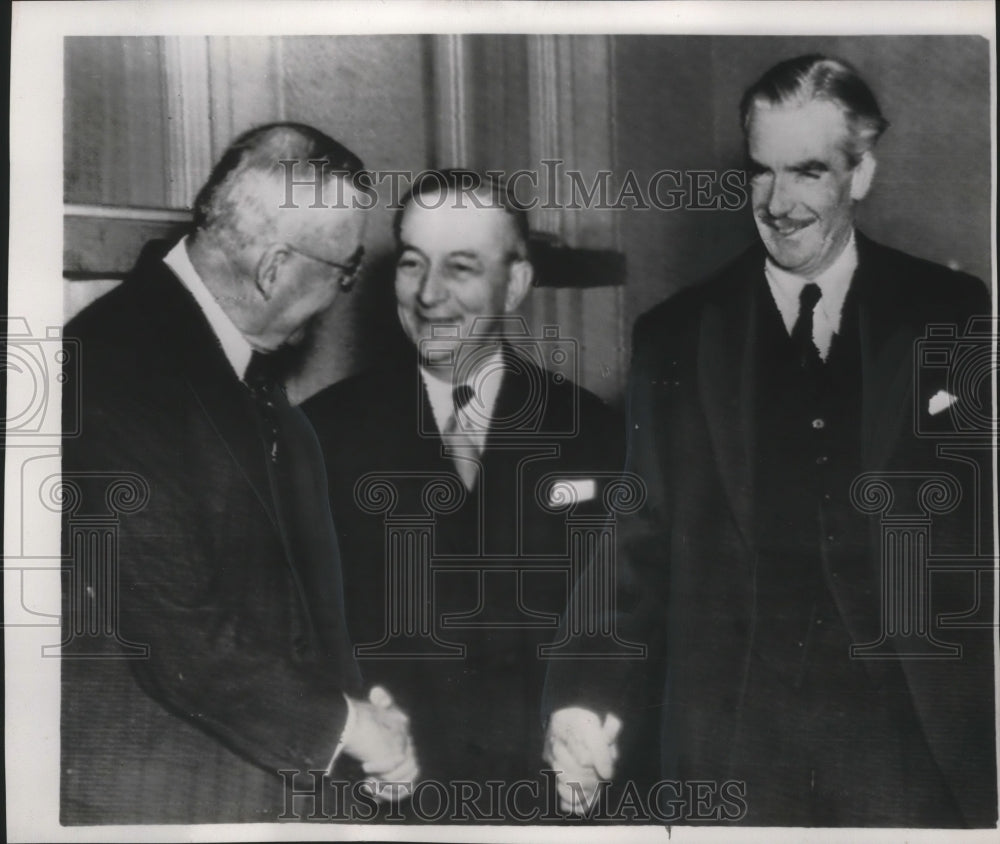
[
  {"x": 452, "y": 620},
  {"x": 756, "y": 400},
  {"x": 206, "y": 652}
]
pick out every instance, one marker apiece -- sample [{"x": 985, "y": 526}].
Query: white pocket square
[
  {"x": 940, "y": 401},
  {"x": 575, "y": 491}
]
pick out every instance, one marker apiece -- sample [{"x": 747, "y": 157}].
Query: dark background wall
[{"x": 146, "y": 117}]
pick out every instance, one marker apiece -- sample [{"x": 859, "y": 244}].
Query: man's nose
[
  {"x": 779, "y": 197},
  {"x": 432, "y": 289}
]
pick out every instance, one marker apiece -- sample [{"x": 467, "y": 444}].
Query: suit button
[
  {"x": 822, "y": 460},
  {"x": 819, "y": 424}
]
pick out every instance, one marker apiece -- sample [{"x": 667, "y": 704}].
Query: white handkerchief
[
  {"x": 940, "y": 401},
  {"x": 575, "y": 491}
]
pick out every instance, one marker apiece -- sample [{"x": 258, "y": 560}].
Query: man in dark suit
[
  {"x": 469, "y": 409},
  {"x": 205, "y": 649},
  {"x": 771, "y": 407}
]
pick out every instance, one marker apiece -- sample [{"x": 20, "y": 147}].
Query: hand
[
  {"x": 380, "y": 739},
  {"x": 583, "y": 752}
]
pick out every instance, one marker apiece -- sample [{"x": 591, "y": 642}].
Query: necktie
[
  {"x": 263, "y": 379},
  {"x": 802, "y": 334},
  {"x": 300, "y": 492},
  {"x": 457, "y": 437}
]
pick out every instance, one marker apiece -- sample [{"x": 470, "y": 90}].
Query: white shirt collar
[
  {"x": 834, "y": 283},
  {"x": 477, "y": 415},
  {"x": 235, "y": 346}
]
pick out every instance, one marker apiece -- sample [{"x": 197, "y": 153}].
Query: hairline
[{"x": 520, "y": 250}]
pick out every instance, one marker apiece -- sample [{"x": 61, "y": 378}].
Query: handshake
[
  {"x": 578, "y": 746},
  {"x": 378, "y": 736},
  {"x": 582, "y": 750}
]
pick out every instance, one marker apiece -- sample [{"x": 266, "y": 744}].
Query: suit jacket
[
  {"x": 499, "y": 556},
  {"x": 225, "y": 659},
  {"x": 687, "y": 559}
]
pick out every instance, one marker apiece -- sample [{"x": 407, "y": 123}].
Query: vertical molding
[
  {"x": 451, "y": 83},
  {"x": 622, "y": 339},
  {"x": 220, "y": 94},
  {"x": 568, "y": 123},
  {"x": 570, "y": 110},
  {"x": 543, "y": 115},
  {"x": 189, "y": 138},
  {"x": 245, "y": 86},
  {"x": 138, "y": 167},
  {"x": 612, "y": 98},
  {"x": 278, "y": 59}
]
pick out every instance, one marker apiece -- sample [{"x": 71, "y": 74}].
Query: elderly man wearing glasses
[{"x": 243, "y": 689}]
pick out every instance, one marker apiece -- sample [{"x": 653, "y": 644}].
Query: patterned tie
[
  {"x": 458, "y": 438},
  {"x": 802, "y": 334}
]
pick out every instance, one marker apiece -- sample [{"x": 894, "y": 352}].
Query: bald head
[
  {"x": 274, "y": 264},
  {"x": 244, "y": 199}
]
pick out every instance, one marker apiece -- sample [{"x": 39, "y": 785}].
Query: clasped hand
[
  {"x": 380, "y": 739},
  {"x": 583, "y": 751}
]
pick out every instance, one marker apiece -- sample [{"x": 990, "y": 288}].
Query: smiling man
[
  {"x": 475, "y": 406},
  {"x": 756, "y": 399}
]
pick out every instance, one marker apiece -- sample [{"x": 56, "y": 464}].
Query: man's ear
[
  {"x": 861, "y": 179},
  {"x": 519, "y": 280},
  {"x": 266, "y": 278}
]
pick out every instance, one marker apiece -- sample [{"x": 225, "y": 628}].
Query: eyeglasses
[{"x": 348, "y": 271}]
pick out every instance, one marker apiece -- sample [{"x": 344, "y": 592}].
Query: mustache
[
  {"x": 776, "y": 221},
  {"x": 442, "y": 318}
]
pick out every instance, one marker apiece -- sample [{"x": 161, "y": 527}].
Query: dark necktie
[
  {"x": 458, "y": 438},
  {"x": 297, "y": 477},
  {"x": 461, "y": 396},
  {"x": 802, "y": 334},
  {"x": 263, "y": 377}
]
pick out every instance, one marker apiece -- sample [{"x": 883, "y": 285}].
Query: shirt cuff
[{"x": 348, "y": 726}]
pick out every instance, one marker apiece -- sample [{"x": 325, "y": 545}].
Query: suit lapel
[
  {"x": 522, "y": 383},
  {"x": 886, "y": 359},
  {"x": 886, "y": 354},
  {"x": 524, "y": 415},
  {"x": 200, "y": 361},
  {"x": 727, "y": 378}
]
